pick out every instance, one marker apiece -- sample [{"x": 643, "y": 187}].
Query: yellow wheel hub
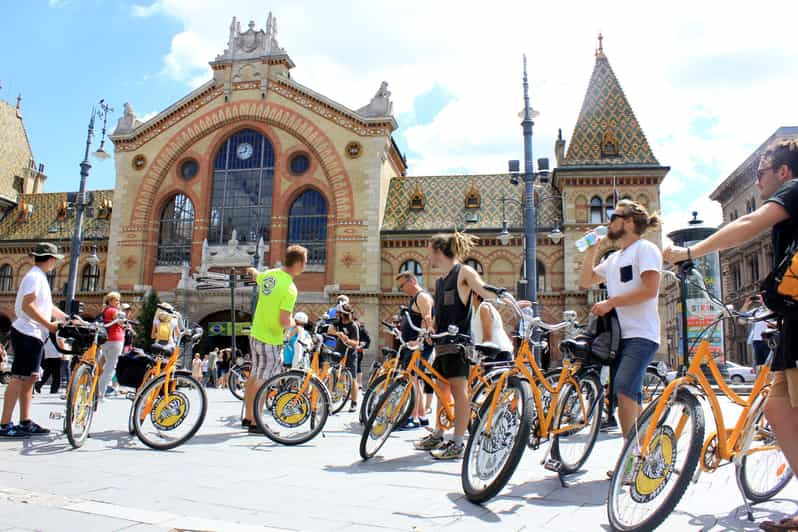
[
  {"x": 169, "y": 411},
  {"x": 290, "y": 409},
  {"x": 650, "y": 477}
]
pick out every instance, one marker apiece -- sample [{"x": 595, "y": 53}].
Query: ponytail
[{"x": 454, "y": 246}]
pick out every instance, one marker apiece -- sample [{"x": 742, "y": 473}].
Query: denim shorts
[{"x": 630, "y": 367}]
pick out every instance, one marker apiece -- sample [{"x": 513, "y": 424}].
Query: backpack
[
  {"x": 780, "y": 287},
  {"x": 365, "y": 339},
  {"x": 164, "y": 332},
  {"x": 600, "y": 341}
]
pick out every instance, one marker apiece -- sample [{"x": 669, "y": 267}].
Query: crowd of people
[{"x": 280, "y": 338}]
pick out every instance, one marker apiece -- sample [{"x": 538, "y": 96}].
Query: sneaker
[
  {"x": 32, "y": 429},
  {"x": 254, "y": 429},
  {"x": 609, "y": 424},
  {"x": 423, "y": 422},
  {"x": 353, "y": 406},
  {"x": 409, "y": 425},
  {"x": 10, "y": 431},
  {"x": 429, "y": 442},
  {"x": 245, "y": 423},
  {"x": 448, "y": 451}
]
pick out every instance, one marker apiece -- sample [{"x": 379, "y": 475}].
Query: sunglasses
[
  {"x": 403, "y": 283},
  {"x": 761, "y": 172},
  {"x": 615, "y": 215}
]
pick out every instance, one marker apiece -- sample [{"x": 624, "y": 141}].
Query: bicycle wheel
[
  {"x": 131, "y": 427},
  {"x": 386, "y": 417},
  {"x": 284, "y": 415},
  {"x": 763, "y": 470},
  {"x": 341, "y": 389},
  {"x": 643, "y": 493},
  {"x": 371, "y": 397},
  {"x": 581, "y": 409},
  {"x": 166, "y": 418},
  {"x": 653, "y": 385},
  {"x": 237, "y": 379},
  {"x": 491, "y": 458},
  {"x": 80, "y": 406}
]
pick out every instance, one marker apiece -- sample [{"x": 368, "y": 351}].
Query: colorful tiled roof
[
  {"x": 607, "y": 116},
  {"x": 444, "y": 203},
  {"x": 44, "y": 222},
  {"x": 15, "y": 151}
]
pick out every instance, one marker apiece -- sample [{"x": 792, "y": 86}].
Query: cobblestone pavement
[{"x": 226, "y": 479}]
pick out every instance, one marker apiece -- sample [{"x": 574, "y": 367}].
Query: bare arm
[
  {"x": 253, "y": 272},
  {"x": 733, "y": 234},
  {"x": 649, "y": 290},
  {"x": 587, "y": 277},
  {"x": 29, "y": 307},
  {"x": 425, "y": 303},
  {"x": 475, "y": 283},
  {"x": 486, "y": 317}
]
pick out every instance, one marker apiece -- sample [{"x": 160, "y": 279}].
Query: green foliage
[{"x": 145, "y": 318}]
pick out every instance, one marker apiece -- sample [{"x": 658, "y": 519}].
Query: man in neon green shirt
[{"x": 277, "y": 295}]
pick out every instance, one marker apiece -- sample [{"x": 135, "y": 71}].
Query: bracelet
[{"x": 689, "y": 256}]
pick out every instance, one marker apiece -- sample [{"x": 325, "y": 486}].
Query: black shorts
[
  {"x": 28, "y": 353},
  {"x": 353, "y": 363},
  {"x": 761, "y": 352},
  {"x": 787, "y": 352},
  {"x": 451, "y": 366}
]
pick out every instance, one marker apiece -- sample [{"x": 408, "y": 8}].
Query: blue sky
[{"x": 708, "y": 84}]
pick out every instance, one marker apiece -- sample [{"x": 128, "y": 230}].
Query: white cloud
[{"x": 676, "y": 62}]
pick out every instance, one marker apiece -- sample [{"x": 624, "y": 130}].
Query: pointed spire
[{"x": 600, "y": 49}]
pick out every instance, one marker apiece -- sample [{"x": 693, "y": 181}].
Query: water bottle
[{"x": 591, "y": 238}]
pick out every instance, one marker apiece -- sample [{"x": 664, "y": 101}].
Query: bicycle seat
[
  {"x": 489, "y": 350},
  {"x": 159, "y": 349},
  {"x": 579, "y": 349},
  {"x": 387, "y": 352}
]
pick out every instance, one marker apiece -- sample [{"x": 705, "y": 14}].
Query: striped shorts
[{"x": 267, "y": 359}]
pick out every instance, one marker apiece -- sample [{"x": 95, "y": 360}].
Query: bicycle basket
[{"x": 82, "y": 336}]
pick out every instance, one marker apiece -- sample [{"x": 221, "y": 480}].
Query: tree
[{"x": 145, "y": 318}]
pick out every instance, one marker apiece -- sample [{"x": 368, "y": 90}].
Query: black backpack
[
  {"x": 365, "y": 339},
  {"x": 599, "y": 342}
]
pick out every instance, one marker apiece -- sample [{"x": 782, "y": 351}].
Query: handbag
[{"x": 780, "y": 288}]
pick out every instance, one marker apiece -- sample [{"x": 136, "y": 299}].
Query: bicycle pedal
[
  {"x": 552, "y": 465},
  {"x": 56, "y": 415}
]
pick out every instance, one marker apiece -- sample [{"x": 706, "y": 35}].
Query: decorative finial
[
  {"x": 600, "y": 49},
  {"x": 19, "y": 101},
  {"x": 559, "y": 134}
]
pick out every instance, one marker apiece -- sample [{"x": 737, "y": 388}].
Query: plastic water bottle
[{"x": 591, "y": 238}]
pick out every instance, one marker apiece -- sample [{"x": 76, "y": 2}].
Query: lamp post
[{"x": 101, "y": 111}]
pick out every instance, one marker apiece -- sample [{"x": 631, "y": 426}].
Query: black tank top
[
  {"x": 408, "y": 334},
  {"x": 449, "y": 308}
]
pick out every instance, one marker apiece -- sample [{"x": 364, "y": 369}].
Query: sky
[{"x": 708, "y": 81}]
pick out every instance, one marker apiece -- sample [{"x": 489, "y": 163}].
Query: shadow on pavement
[
  {"x": 737, "y": 518},
  {"x": 377, "y": 464}
]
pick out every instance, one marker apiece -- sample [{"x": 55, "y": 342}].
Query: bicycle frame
[{"x": 728, "y": 440}]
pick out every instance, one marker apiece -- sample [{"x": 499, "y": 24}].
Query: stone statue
[
  {"x": 380, "y": 104},
  {"x": 128, "y": 122}
]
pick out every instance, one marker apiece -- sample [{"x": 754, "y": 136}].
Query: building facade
[
  {"x": 744, "y": 267},
  {"x": 253, "y": 161}
]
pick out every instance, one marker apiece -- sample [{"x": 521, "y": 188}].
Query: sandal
[{"x": 785, "y": 525}]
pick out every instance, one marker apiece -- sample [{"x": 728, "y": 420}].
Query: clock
[{"x": 244, "y": 151}]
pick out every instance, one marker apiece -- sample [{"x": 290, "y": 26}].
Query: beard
[{"x": 616, "y": 235}]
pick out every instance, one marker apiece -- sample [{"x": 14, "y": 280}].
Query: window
[
  {"x": 753, "y": 268},
  {"x": 307, "y": 225},
  {"x": 474, "y": 263},
  {"x": 241, "y": 193},
  {"x": 415, "y": 268},
  {"x": 472, "y": 200},
  {"x": 19, "y": 184},
  {"x": 596, "y": 207},
  {"x": 6, "y": 278},
  {"x": 737, "y": 279},
  {"x": 300, "y": 164},
  {"x": 90, "y": 279},
  {"x": 609, "y": 208},
  {"x": 189, "y": 169},
  {"x": 175, "y": 231},
  {"x": 541, "y": 271}
]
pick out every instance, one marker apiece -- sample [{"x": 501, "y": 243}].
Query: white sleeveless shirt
[{"x": 498, "y": 335}]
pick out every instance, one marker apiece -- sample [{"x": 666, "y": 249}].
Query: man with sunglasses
[
  {"x": 778, "y": 187},
  {"x": 632, "y": 275}
]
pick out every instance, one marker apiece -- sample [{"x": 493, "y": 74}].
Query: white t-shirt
[
  {"x": 622, "y": 270},
  {"x": 50, "y": 351},
  {"x": 758, "y": 327},
  {"x": 498, "y": 334},
  {"x": 34, "y": 282}
]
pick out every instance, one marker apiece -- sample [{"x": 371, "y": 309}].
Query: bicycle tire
[
  {"x": 385, "y": 418},
  {"x": 237, "y": 379},
  {"x": 341, "y": 390},
  {"x": 131, "y": 427},
  {"x": 163, "y": 426},
  {"x": 759, "y": 431},
  {"x": 664, "y": 433},
  {"x": 371, "y": 397},
  {"x": 79, "y": 388},
  {"x": 471, "y": 469},
  {"x": 314, "y": 415},
  {"x": 594, "y": 398}
]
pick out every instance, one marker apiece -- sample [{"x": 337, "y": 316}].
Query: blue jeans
[{"x": 630, "y": 367}]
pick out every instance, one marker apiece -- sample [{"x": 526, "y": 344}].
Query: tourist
[{"x": 113, "y": 319}]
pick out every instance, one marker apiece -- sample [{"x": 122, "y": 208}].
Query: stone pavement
[{"x": 225, "y": 479}]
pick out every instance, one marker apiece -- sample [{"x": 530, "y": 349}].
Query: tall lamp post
[{"x": 101, "y": 111}]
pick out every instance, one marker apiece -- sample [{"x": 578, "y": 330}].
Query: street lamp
[{"x": 101, "y": 111}]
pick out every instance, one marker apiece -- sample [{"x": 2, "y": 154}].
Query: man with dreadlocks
[{"x": 453, "y": 307}]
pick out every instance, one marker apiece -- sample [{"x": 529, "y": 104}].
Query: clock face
[{"x": 244, "y": 151}]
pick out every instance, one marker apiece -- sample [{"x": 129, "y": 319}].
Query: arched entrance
[{"x": 218, "y": 327}]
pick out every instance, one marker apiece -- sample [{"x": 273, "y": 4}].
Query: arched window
[
  {"x": 609, "y": 208},
  {"x": 415, "y": 268},
  {"x": 474, "y": 263},
  {"x": 6, "y": 278},
  {"x": 90, "y": 279},
  {"x": 175, "y": 231},
  {"x": 241, "y": 194},
  {"x": 596, "y": 210},
  {"x": 307, "y": 225},
  {"x": 541, "y": 271}
]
